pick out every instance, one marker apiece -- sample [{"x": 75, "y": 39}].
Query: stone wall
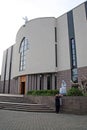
[
  {"x": 48, "y": 100},
  {"x": 72, "y": 104}
]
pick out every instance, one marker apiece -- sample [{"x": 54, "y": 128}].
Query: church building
[{"x": 47, "y": 51}]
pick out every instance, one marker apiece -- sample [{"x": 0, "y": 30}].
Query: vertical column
[
  {"x": 29, "y": 83},
  {"x": 41, "y": 81},
  {"x": 18, "y": 85},
  {"x": 26, "y": 85},
  {"x": 5, "y": 71},
  {"x": 32, "y": 82},
  {"x": 45, "y": 82},
  {"x": 35, "y": 80},
  {"x": 53, "y": 81},
  {"x": 58, "y": 81},
  {"x": 10, "y": 67},
  {"x": 38, "y": 82}
]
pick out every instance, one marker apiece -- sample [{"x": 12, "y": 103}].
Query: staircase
[{"x": 21, "y": 103}]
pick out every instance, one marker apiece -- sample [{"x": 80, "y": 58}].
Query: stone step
[
  {"x": 25, "y": 107},
  {"x": 15, "y": 99},
  {"x": 21, "y": 103},
  {"x": 30, "y": 110}
]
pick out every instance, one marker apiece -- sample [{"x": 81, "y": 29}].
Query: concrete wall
[
  {"x": 40, "y": 58},
  {"x": 80, "y": 26},
  {"x": 63, "y": 43},
  {"x": 8, "y": 63},
  {"x": 3, "y": 66}
]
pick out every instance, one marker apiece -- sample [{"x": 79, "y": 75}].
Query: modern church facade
[{"x": 47, "y": 51}]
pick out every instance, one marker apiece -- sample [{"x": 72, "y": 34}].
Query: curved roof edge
[{"x": 34, "y": 19}]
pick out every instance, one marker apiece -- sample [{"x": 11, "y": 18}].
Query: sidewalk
[{"x": 14, "y": 120}]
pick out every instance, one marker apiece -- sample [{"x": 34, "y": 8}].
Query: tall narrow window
[
  {"x": 74, "y": 75},
  {"x": 49, "y": 81},
  {"x": 73, "y": 58},
  {"x": 55, "y": 34},
  {"x": 56, "y": 55},
  {"x": 73, "y": 61},
  {"x": 73, "y": 53},
  {"x": 41, "y": 82},
  {"x": 55, "y": 81},
  {"x": 23, "y": 48},
  {"x": 86, "y": 9}
]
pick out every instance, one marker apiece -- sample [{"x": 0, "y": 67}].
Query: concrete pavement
[{"x": 15, "y": 120}]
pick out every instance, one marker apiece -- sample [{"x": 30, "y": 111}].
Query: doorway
[{"x": 22, "y": 88}]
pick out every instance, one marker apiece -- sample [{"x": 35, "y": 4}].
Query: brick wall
[
  {"x": 64, "y": 75},
  {"x": 82, "y": 71}
]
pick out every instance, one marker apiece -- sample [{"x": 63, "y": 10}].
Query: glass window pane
[
  {"x": 73, "y": 51},
  {"x": 23, "y": 47}
]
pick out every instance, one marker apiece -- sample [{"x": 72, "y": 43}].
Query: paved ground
[{"x": 14, "y": 120}]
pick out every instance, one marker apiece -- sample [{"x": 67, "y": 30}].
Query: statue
[
  {"x": 26, "y": 19},
  {"x": 63, "y": 88}
]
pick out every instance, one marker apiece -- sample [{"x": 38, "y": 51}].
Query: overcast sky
[{"x": 13, "y": 11}]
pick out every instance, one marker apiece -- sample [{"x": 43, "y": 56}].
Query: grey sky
[{"x": 12, "y": 12}]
